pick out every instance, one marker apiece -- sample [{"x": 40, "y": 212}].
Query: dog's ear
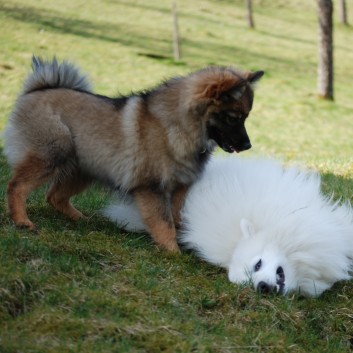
[
  {"x": 247, "y": 228},
  {"x": 216, "y": 88},
  {"x": 254, "y": 77}
]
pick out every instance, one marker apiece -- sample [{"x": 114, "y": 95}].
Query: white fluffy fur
[
  {"x": 244, "y": 210},
  {"x": 126, "y": 215}
]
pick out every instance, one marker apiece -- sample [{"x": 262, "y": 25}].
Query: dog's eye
[{"x": 257, "y": 266}]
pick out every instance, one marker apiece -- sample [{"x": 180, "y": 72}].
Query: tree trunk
[
  {"x": 249, "y": 14},
  {"x": 325, "y": 67},
  {"x": 343, "y": 12}
]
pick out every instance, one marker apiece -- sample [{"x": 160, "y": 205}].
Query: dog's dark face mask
[
  {"x": 226, "y": 124},
  {"x": 227, "y": 128}
]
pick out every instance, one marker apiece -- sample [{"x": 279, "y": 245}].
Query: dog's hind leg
[
  {"x": 28, "y": 175},
  {"x": 156, "y": 213},
  {"x": 62, "y": 189}
]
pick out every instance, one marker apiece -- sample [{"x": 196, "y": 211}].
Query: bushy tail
[
  {"x": 51, "y": 74},
  {"x": 126, "y": 215}
]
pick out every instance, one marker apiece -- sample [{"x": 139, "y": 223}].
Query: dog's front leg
[
  {"x": 155, "y": 209},
  {"x": 178, "y": 199}
]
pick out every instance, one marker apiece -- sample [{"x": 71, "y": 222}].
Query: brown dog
[{"x": 151, "y": 144}]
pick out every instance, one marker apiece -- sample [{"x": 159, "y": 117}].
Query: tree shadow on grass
[
  {"x": 168, "y": 11},
  {"x": 140, "y": 38},
  {"x": 340, "y": 187},
  {"x": 111, "y": 32},
  {"x": 250, "y": 58}
]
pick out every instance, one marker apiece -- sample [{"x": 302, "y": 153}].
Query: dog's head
[
  {"x": 262, "y": 263},
  {"x": 281, "y": 260},
  {"x": 224, "y": 97}
]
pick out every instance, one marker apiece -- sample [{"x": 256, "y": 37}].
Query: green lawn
[{"x": 86, "y": 286}]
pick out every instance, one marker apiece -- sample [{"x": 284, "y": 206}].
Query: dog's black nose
[
  {"x": 245, "y": 146},
  {"x": 265, "y": 288}
]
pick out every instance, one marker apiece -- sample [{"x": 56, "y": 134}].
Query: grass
[{"x": 88, "y": 287}]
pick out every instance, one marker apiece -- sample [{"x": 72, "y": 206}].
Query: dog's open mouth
[
  {"x": 229, "y": 148},
  {"x": 240, "y": 146},
  {"x": 229, "y": 141},
  {"x": 280, "y": 280}
]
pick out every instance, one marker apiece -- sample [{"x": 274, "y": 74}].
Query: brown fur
[
  {"x": 158, "y": 217},
  {"x": 60, "y": 192},
  {"x": 152, "y": 145}
]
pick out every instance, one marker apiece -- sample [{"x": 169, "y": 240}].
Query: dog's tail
[
  {"x": 126, "y": 215},
  {"x": 51, "y": 74}
]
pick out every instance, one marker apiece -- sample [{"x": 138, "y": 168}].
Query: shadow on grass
[
  {"x": 138, "y": 37},
  {"x": 244, "y": 57},
  {"x": 168, "y": 11},
  {"x": 105, "y": 31},
  {"x": 95, "y": 198}
]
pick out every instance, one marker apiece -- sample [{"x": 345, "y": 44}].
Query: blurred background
[{"x": 127, "y": 46}]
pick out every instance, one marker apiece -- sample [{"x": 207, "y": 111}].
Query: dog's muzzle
[
  {"x": 266, "y": 288},
  {"x": 245, "y": 146}
]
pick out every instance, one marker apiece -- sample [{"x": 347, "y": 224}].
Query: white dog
[{"x": 264, "y": 223}]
